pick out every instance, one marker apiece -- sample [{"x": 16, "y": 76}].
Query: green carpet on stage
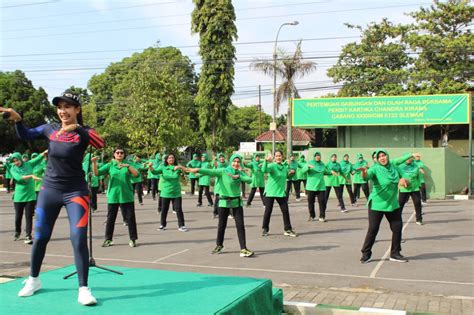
[{"x": 145, "y": 291}]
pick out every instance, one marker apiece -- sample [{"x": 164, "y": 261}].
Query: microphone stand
[{"x": 91, "y": 257}]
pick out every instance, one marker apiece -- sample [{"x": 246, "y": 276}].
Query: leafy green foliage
[
  {"x": 146, "y": 99},
  {"x": 244, "y": 125},
  {"x": 431, "y": 55},
  {"x": 214, "y": 21},
  {"x": 17, "y": 92}
]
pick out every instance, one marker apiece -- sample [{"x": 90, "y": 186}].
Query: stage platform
[{"x": 145, "y": 291}]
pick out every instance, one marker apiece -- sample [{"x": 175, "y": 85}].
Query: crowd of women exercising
[
  {"x": 160, "y": 177},
  {"x": 65, "y": 176}
]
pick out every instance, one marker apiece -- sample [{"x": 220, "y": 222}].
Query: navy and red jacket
[{"x": 65, "y": 153}]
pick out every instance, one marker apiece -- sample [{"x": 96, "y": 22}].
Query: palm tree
[{"x": 288, "y": 68}]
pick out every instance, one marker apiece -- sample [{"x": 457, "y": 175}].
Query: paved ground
[{"x": 320, "y": 266}]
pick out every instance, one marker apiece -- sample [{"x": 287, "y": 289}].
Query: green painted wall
[
  {"x": 380, "y": 136},
  {"x": 445, "y": 173}
]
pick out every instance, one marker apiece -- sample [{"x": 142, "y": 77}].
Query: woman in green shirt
[
  {"x": 411, "y": 171},
  {"x": 359, "y": 181},
  {"x": 315, "y": 171},
  {"x": 301, "y": 176},
  {"x": 292, "y": 179},
  {"x": 333, "y": 180},
  {"x": 219, "y": 163},
  {"x": 205, "y": 182},
  {"x": 94, "y": 180},
  {"x": 278, "y": 172},
  {"x": 119, "y": 194},
  {"x": 38, "y": 171},
  {"x": 230, "y": 191},
  {"x": 153, "y": 179},
  {"x": 347, "y": 169},
  {"x": 194, "y": 163},
  {"x": 383, "y": 201},
  {"x": 170, "y": 173},
  {"x": 421, "y": 166},
  {"x": 9, "y": 184},
  {"x": 258, "y": 179},
  {"x": 24, "y": 197}
]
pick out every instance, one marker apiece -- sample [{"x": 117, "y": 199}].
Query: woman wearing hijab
[
  {"x": 229, "y": 200},
  {"x": 383, "y": 201},
  {"x": 292, "y": 179},
  {"x": 333, "y": 180},
  {"x": 24, "y": 197},
  {"x": 205, "y": 182},
  {"x": 411, "y": 171},
  {"x": 38, "y": 171},
  {"x": 258, "y": 179},
  {"x": 194, "y": 163},
  {"x": 316, "y": 187},
  {"x": 152, "y": 178},
  {"x": 300, "y": 175},
  {"x": 347, "y": 169},
  {"x": 9, "y": 183},
  {"x": 137, "y": 182},
  {"x": 94, "y": 180},
  {"x": 119, "y": 194},
  {"x": 170, "y": 193},
  {"x": 219, "y": 163},
  {"x": 421, "y": 166},
  {"x": 63, "y": 185},
  {"x": 278, "y": 172},
  {"x": 358, "y": 180}
]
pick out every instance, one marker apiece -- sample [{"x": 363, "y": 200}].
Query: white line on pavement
[
  {"x": 382, "y": 260},
  {"x": 256, "y": 269},
  {"x": 163, "y": 258}
]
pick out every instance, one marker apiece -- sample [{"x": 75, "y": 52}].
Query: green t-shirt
[
  {"x": 39, "y": 171},
  {"x": 170, "y": 186},
  {"x": 346, "y": 171},
  {"x": 277, "y": 175},
  {"x": 205, "y": 180},
  {"x": 156, "y": 163},
  {"x": 300, "y": 175},
  {"x": 193, "y": 164},
  {"x": 421, "y": 166},
  {"x": 140, "y": 167},
  {"x": 229, "y": 187},
  {"x": 217, "y": 184},
  {"x": 292, "y": 165},
  {"x": 85, "y": 168},
  {"x": 358, "y": 179},
  {"x": 384, "y": 195},
  {"x": 25, "y": 188},
  {"x": 258, "y": 178},
  {"x": 120, "y": 189},
  {"x": 333, "y": 180},
  {"x": 315, "y": 180},
  {"x": 412, "y": 173}
]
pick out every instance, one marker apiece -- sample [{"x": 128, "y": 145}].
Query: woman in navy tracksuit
[{"x": 63, "y": 185}]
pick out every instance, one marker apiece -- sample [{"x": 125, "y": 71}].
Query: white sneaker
[
  {"x": 85, "y": 296},
  {"x": 183, "y": 229},
  {"x": 31, "y": 286}
]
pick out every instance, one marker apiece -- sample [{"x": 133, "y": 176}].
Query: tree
[
  {"x": 17, "y": 92},
  {"x": 375, "y": 66},
  {"x": 429, "y": 56},
  {"x": 214, "y": 21},
  {"x": 116, "y": 94},
  {"x": 432, "y": 55},
  {"x": 441, "y": 36},
  {"x": 288, "y": 68},
  {"x": 244, "y": 125}
]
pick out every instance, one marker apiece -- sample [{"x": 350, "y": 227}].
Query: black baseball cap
[{"x": 69, "y": 97}]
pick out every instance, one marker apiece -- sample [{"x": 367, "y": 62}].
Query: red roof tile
[{"x": 280, "y": 135}]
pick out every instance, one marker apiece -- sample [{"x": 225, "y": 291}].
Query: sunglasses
[{"x": 119, "y": 152}]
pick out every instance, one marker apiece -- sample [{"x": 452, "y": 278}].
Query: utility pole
[{"x": 259, "y": 109}]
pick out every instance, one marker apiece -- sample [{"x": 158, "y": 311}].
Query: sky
[{"x": 60, "y": 43}]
